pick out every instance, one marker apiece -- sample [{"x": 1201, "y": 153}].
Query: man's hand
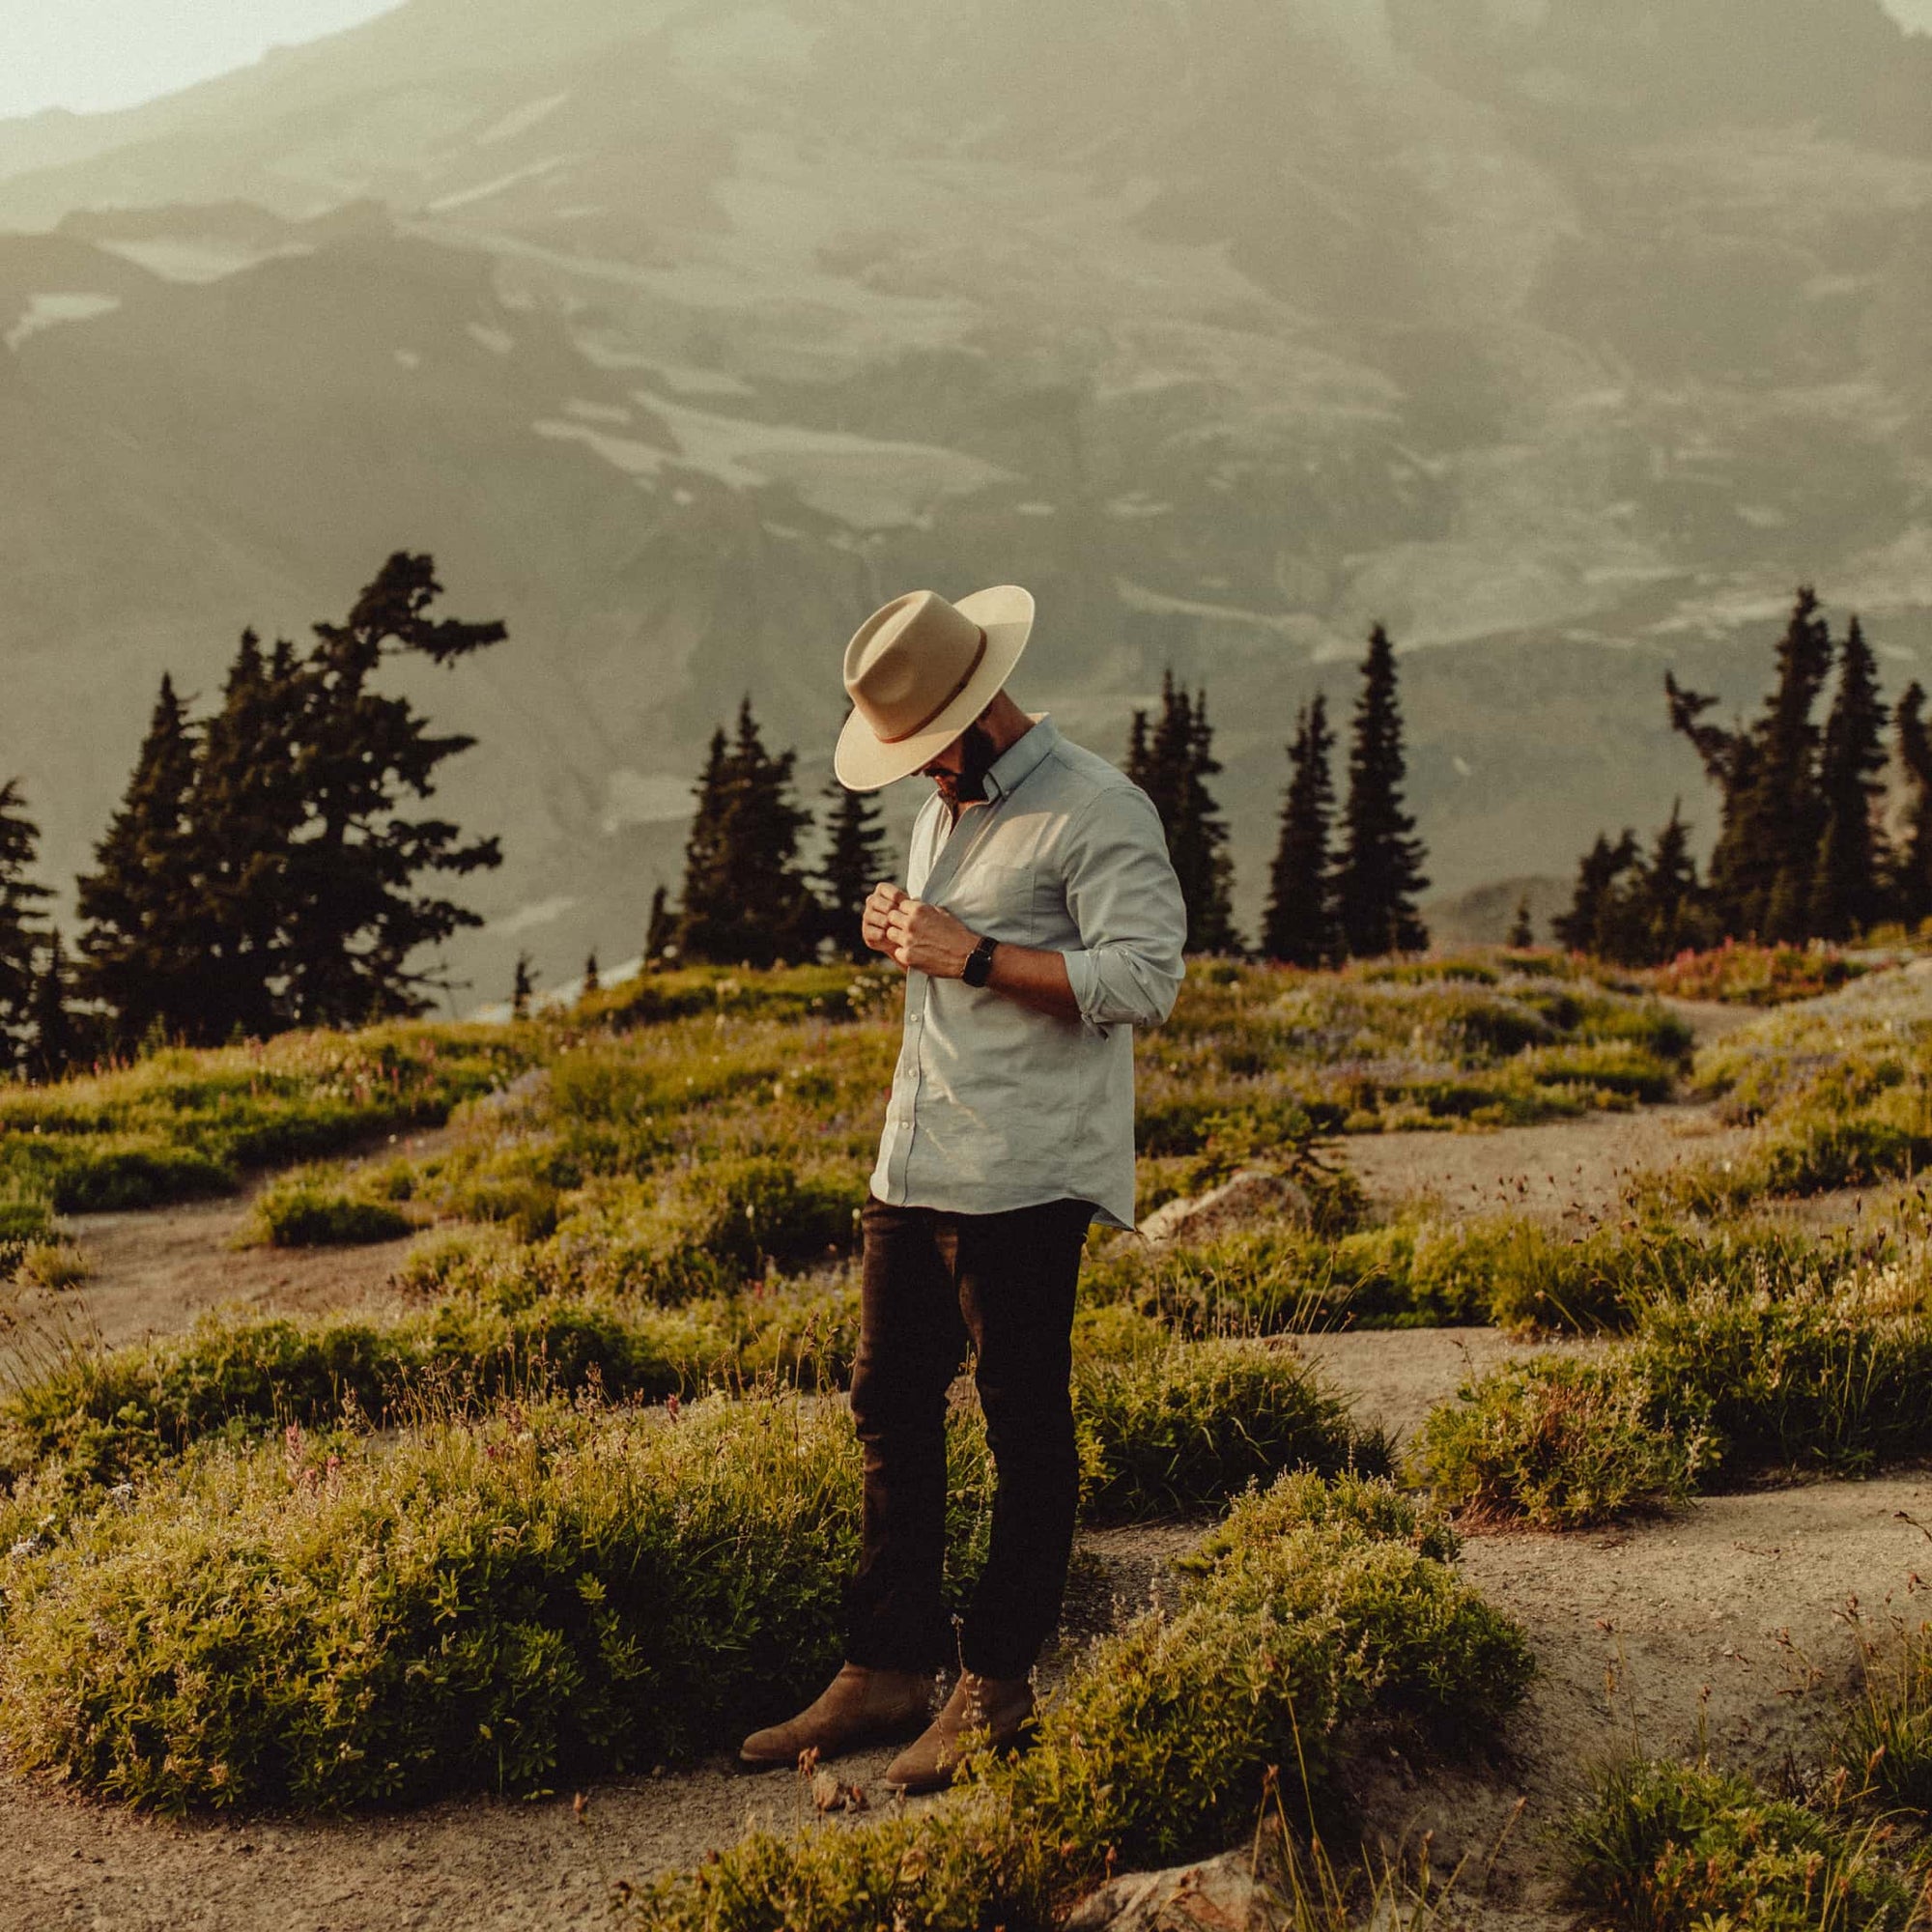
[
  {"x": 884, "y": 897},
  {"x": 926, "y": 939}
]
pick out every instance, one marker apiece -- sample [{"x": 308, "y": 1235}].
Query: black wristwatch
[{"x": 979, "y": 966}]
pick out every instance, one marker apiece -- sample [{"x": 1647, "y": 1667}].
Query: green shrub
[
  {"x": 503, "y": 1606},
  {"x": 1320, "y": 1612},
  {"x": 1663, "y": 1847},
  {"x": 1196, "y": 1423},
  {"x": 314, "y": 1208},
  {"x": 26, "y": 1219},
  {"x": 1884, "y": 1741},
  {"x": 1559, "y": 1444}
]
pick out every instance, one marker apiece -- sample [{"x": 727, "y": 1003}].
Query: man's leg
[
  {"x": 1016, "y": 1275},
  {"x": 911, "y": 1342}
]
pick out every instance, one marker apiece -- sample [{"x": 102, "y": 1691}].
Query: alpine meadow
[{"x": 1222, "y": 1222}]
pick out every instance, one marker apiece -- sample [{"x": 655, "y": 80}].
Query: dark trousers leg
[
  {"x": 911, "y": 1343},
  {"x": 1016, "y": 1274}
]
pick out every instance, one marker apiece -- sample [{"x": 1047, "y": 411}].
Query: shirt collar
[{"x": 1021, "y": 759}]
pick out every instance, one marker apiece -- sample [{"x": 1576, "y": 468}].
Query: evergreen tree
[
  {"x": 1521, "y": 933},
  {"x": 1172, "y": 762},
  {"x": 854, "y": 862},
  {"x": 1299, "y": 927},
  {"x": 1668, "y": 906},
  {"x": 56, "y": 1038},
  {"x": 593, "y": 981},
  {"x": 1381, "y": 870},
  {"x": 745, "y": 897},
  {"x": 1764, "y": 859},
  {"x": 244, "y": 812},
  {"x": 353, "y": 916},
  {"x": 659, "y": 931},
  {"x": 141, "y": 951},
  {"x": 1848, "y": 880},
  {"x": 20, "y": 938},
  {"x": 523, "y": 986},
  {"x": 1597, "y": 879},
  {"x": 1911, "y": 883}
]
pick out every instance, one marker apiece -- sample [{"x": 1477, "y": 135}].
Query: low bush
[
  {"x": 1666, "y": 1847},
  {"x": 499, "y": 1605},
  {"x": 1558, "y": 1443},
  {"x": 26, "y": 1219},
  {"x": 1318, "y": 1614},
  {"x": 1196, "y": 1423},
  {"x": 315, "y": 1207},
  {"x": 1741, "y": 973}
]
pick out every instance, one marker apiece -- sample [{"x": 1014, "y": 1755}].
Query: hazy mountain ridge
[{"x": 683, "y": 334}]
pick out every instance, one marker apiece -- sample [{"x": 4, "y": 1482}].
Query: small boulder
[
  {"x": 1223, "y": 1894},
  {"x": 1252, "y": 1194}
]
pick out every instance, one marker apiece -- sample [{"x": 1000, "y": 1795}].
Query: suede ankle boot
[
  {"x": 856, "y": 1707},
  {"x": 981, "y": 1711}
]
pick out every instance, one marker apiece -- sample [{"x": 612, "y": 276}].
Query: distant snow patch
[
  {"x": 527, "y": 918},
  {"x": 48, "y": 311},
  {"x": 521, "y": 120},
  {"x": 598, "y": 412},
  {"x": 645, "y": 798},
  {"x": 498, "y": 341},
  {"x": 187, "y": 259},
  {"x": 448, "y": 204}
]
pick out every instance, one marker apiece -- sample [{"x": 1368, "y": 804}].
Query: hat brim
[{"x": 864, "y": 763}]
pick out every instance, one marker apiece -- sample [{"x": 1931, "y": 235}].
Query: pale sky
[{"x": 96, "y": 54}]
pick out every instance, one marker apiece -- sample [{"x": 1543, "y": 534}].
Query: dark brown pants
[{"x": 933, "y": 1282}]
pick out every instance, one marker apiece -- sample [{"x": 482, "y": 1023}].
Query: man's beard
[{"x": 978, "y": 755}]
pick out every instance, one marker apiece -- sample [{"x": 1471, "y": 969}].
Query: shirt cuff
[{"x": 1083, "y": 974}]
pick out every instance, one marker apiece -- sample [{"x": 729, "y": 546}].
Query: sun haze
[{"x": 93, "y": 55}]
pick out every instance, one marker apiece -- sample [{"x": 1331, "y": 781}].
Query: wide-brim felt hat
[{"x": 919, "y": 670}]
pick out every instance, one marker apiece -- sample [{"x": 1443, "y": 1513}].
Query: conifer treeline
[
  {"x": 259, "y": 873},
  {"x": 1801, "y": 852},
  {"x": 747, "y": 899}
]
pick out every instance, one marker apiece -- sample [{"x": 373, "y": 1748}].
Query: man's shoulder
[{"x": 1086, "y": 774}]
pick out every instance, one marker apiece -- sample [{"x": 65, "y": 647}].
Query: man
[{"x": 1043, "y": 922}]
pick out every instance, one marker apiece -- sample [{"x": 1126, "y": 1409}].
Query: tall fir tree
[
  {"x": 1603, "y": 866},
  {"x": 1849, "y": 877},
  {"x": 745, "y": 897},
  {"x": 522, "y": 987},
  {"x": 1379, "y": 876},
  {"x": 355, "y": 915},
  {"x": 1764, "y": 859},
  {"x": 660, "y": 930},
  {"x": 21, "y": 938},
  {"x": 854, "y": 863},
  {"x": 1523, "y": 933},
  {"x": 1171, "y": 760},
  {"x": 593, "y": 978},
  {"x": 1299, "y": 927},
  {"x": 141, "y": 949},
  {"x": 1669, "y": 913}
]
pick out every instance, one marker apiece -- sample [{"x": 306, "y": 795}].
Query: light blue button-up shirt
[{"x": 994, "y": 1105}]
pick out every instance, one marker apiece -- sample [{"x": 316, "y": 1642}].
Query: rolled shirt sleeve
[{"x": 1124, "y": 899}]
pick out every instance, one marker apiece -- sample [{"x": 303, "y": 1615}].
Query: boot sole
[{"x": 902, "y": 1731}]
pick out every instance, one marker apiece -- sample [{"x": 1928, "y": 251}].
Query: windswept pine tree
[
  {"x": 1171, "y": 760},
  {"x": 22, "y": 939},
  {"x": 355, "y": 918},
  {"x": 1671, "y": 915},
  {"x": 261, "y": 873},
  {"x": 1379, "y": 876},
  {"x": 522, "y": 987},
  {"x": 854, "y": 863},
  {"x": 1299, "y": 927},
  {"x": 593, "y": 978},
  {"x": 1848, "y": 885},
  {"x": 1593, "y": 901},
  {"x": 746, "y": 900},
  {"x": 1521, "y": 933},
  {"x": 141, "y": 951},
  {"x": 1633, "y": 909}
]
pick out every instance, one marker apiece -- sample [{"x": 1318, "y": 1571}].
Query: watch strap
[{"x": 979, "y": 966}]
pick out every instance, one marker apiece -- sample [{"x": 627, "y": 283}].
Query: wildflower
[{"x": 672, "y": 1405}]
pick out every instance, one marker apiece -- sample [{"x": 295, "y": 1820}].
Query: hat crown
[{"x": 908, "y": 660}]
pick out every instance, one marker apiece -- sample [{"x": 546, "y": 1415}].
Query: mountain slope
[{"x": 683, "y": 334}]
